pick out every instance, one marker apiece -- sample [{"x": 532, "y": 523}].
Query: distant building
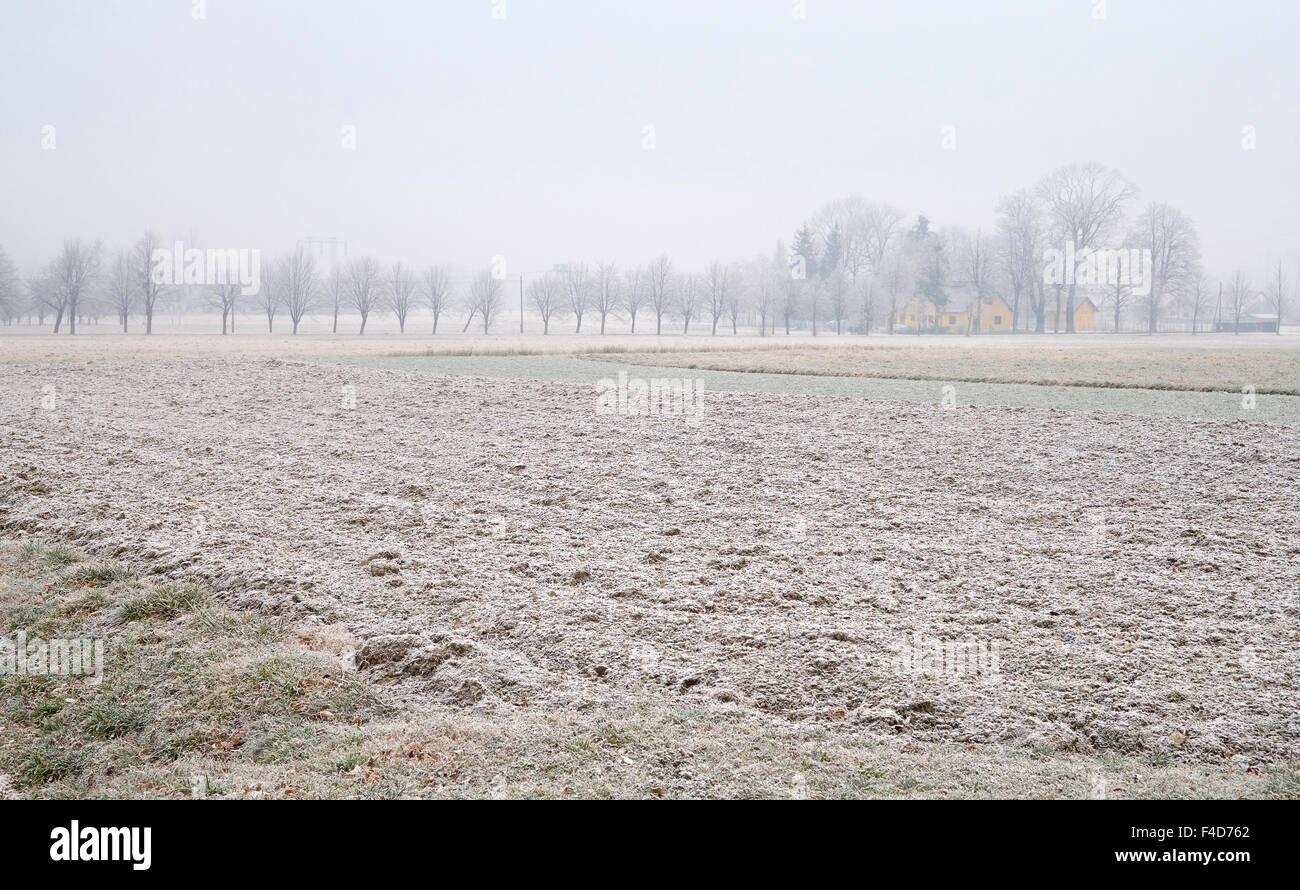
[
  {"x": 1249, "y": 324},
  {"x": 991, "y": 315},
  {"x": 1085, "y": 317},
  {"x": 916, "y": 315}
]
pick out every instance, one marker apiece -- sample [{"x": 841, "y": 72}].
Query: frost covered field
[{"x": 783, "y": 594}]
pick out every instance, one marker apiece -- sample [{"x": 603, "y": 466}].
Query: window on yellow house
[
  {"x": 997, "y": 319},
  {"x": 952, "y": 319}
]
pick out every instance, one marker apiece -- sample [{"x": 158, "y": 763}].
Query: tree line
[{"x": 850, "y": 266}]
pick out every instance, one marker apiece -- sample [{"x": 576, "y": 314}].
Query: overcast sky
[{"x": 524, "y": 136}]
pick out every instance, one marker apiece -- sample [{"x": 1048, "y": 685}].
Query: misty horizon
[{"x": 536, "y": 149}]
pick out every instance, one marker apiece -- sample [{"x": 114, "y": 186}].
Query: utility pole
[
  {"x": 319, "y": 246},
  {"x": 521, "y": 304}
]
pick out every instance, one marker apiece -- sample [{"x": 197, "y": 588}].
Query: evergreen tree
[{"x": 805, "y": 246}]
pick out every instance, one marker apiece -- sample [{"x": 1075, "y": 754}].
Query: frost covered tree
[
  {"x": 76, "y": 271},
  {"x": 659, "y": 281},
  {"x": 1277, "y": 293},
  {"x": 437, "y": 291},
  {"x": 1198, "y": 299},
  {"x": 716, "y": 288},
  {"x": 401, "y": 293},
  {"x": 635, "y": 288},
  {"x": 485, "y": 294},
  {"x": 1086, "y": 204},
  {"x": 363, "y": 286},
  {"x": 577, "y": 286},
  {"x": 150, "y": 290},
  {"x": 762, "y": 280},
  {"x": 607, "y": 291},
  {"x": 734, "y": 299},
  {"x": 300, "y": 283},
  {"x": 1019, "y": 254},
  {"x": 120, "y": 285},
  {"x": 1239, "y": 297},
  {"x": 547, "y": 296},
  {"x": 270, "y": 296},
  {"x": 47, "y": 297},
  {"x": 336, "y": 291},
  {"x": 686, "y": 289},
  {"x": 1175, "y": 254},
  {"x": 224, "y": 297}
]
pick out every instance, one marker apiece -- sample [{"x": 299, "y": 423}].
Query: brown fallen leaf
[{"x": 231, "y": 743}]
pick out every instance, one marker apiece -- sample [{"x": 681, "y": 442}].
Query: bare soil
[{"x": 499, "y": 547}]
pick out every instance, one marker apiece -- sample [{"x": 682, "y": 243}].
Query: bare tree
[
  {"x": 75, "y": 272},
  {"x": 150, "y": 288},
  {"x": 401, "y": 294},
  {"x": 1086, "y": 203},
  {"x": 468, "y": 301},
  {"x": 857, "y": 234},
  {"x": 122, "y": 289},
  {"x": 658, "y": 277},
  {"x": 1277, "y": 287},
  {"x": 485, "y": 293},
  {"x": 635, "y": 287},
  {"x": 47, "y": 296},
  {"x": 607, "y": 291},
  {"x": 976, "y": 268},
  {"x": 1239, "y": 297},
  {"x": 271, "y": 294},
  {"x": 546, "y": 295},
  {"x": 1175, "y": 254},
  {"x": 866, "y": 291},
  {"x": 790, "y": 295},
  {"x": 301, "y": 284},
  {"x": 762, "y": 281},
  {"x": 336, "y": 289},
  {"x": 880, "y": 226},
  {"x": 687, "y": 292},
  {"x": 1020, "y": 228},
  {"x": 225, "y": 296},
  {"x": 837, "y": 289},
  {"x": 808, "y": 295},
  {"x": 577, "y": 284},
  {"x": 845, "y": 220},
  {"x": 894, "y": 274},
  {"x": 715, "y": 286},
  {"x": 1118, "y": 296},
  {"x": 363, "y": 285},
  {"x": 1199, "y": 299},
  {"x": 437, "y": 291},
  {"x": 735, "y": 300}
]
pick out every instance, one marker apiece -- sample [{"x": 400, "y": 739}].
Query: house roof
[{"x": 989, "y": 300}]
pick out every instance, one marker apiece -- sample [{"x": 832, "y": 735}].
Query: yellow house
[
  {"x": 1085, "y": 317},
  {"x": 916, "y": 313},
  {"x": 992, "y": 315},
  {"x": 953, "y": 322},
  {"x": 995, "y": 316}
]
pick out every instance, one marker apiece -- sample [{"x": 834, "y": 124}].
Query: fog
[{"x": 519, "y": 129}]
